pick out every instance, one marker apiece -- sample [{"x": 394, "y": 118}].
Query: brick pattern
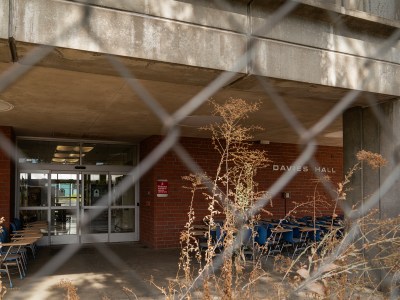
[
  {"x": 162, "y": 219},
  {"x": 6, "y": 179}
]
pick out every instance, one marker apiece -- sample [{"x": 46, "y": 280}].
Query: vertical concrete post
[
  {"x": 363, "y": 131},
  {"x": 352, "y": 143}
]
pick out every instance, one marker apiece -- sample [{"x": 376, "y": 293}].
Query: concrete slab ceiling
[{"x": 76, "y": 94}]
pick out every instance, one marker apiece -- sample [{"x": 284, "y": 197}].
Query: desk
[
  {"x": 308, "y": 229},
  {"x": 27, "y": 237},
  {"x": 281, "y": 230},
  {"x": 332, "y": 227},
  {"x": 291, "y": 226},
  {"x": 200, "y": 227},
  {"x": 199, "y": 233}
]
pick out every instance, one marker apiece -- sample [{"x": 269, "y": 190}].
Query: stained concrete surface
[
  {"x": 100, "y": 271},
  {"x": 109, "y": 271}
]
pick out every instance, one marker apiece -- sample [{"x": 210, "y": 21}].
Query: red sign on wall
[{"x": 162, "y": 188}]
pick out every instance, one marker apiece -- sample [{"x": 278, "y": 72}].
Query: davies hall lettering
[{"x": 302, "y": 169}]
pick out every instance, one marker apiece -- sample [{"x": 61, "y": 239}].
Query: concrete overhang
[{"x": 76, "y": 92}]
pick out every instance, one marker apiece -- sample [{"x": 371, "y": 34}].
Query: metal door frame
[{"x": 80, "y": 170}]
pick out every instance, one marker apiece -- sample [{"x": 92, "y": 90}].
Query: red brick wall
[
  {"x": 162, "y": 219},
  {"x": 6, "y": 179}
]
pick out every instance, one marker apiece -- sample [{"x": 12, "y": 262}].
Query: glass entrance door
[
  {"x": 64, "y": 208},
  {"x": 95, "y": 208},
  {"x": 80, "y": 207},
  {"x": 122, "y": 209}
]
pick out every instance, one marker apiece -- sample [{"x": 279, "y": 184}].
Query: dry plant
[
  {"x": 128, "y": 292},
  {"x": 347, "y": 266},
  {"x": 70, "y": 288},
  {"x": 231, "y": 192},
  {"x": 341, "y": 265}
]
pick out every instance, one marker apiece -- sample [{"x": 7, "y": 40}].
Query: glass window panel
[
  {"x": 54, "y": 152},
  {"x": 97, "y": 221},
  {"x": 123, "y": 220},
  {"x": 64, "y": 190},
  {"x": 126, "y": 198},
  {"x": 63, "y": 221},
  {"x": 110, "y": 154},
  {"x": 95, "y": 189},
  {"x": 33, "y": 215},
  {"x": 33, "y": 189}
]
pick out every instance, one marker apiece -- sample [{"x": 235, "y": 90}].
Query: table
[
  {"x": 308, "y": 229},
  {"x": 330, "y": 226},
  {"x": 281, "y": 230}
]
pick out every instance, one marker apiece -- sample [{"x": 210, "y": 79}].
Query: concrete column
[{"x": 363, "y": 131}]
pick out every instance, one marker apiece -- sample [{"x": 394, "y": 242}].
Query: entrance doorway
[
  {"x": 75, "y": 185},
  {"x": 80, "y": 207}
]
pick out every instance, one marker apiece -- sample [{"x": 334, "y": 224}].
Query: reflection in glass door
[
  {"x": 122, "y": 210},
  {"x": 95, "y": 217},
  {"x": 33, "y": 197},
  {"x": 64, "y": 214}
]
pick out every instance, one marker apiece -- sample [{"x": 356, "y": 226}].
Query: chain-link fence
[{"x": 307, "y": 135}]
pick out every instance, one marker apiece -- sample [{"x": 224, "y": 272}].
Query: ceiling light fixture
[
  {"x": 65, "y": 160},
  {"x": 67, "y": 155},
  {"x": 73, "y": 149},
  {"x": 5, "y": 106}
]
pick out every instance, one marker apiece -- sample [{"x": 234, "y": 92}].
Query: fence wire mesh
[{"x": 306, "y": 135}]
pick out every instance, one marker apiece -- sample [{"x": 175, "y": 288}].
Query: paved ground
[
  {"x": 104, "y": 271},
  {"x": 99, "y": 272}
]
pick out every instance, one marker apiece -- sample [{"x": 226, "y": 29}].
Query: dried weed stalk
[
  {"x": 233, "y": 191},
  {"x": 336, "y": 267},
  {"x": 70, "y": 288},
  {"x": 346, "y": 267}
]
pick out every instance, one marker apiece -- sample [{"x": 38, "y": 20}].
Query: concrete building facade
[{"x": 131, "y": 72}]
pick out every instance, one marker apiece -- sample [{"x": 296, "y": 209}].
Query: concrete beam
[
  {"x": 315, "y": 28},
  {"x": 227, "y": 15},
  {"x": 4, "y": 18},
  {"x": 294, "y": 62},
  {"x": 314, "y": 52},
  {"x": 62, "y": 24},
  {"x": 5, "y": 54},
  {"x": 389, "y": 9}
]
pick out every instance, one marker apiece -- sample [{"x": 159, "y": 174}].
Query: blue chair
[
  {"x": 8, "y": 258},
  {"x": 217, "y": 239},
  {"x": 261, "y": 236},
  {"x": 287, "y": 240},
  {"x": 298, "y": 243},
  {"x": 31, "y": 246},
  {"x": 270, "y": 241},
  {"x": 314, "y": 237},
  {"x": 18, "y": 223},
  {"x": 22, "y": 250}
]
